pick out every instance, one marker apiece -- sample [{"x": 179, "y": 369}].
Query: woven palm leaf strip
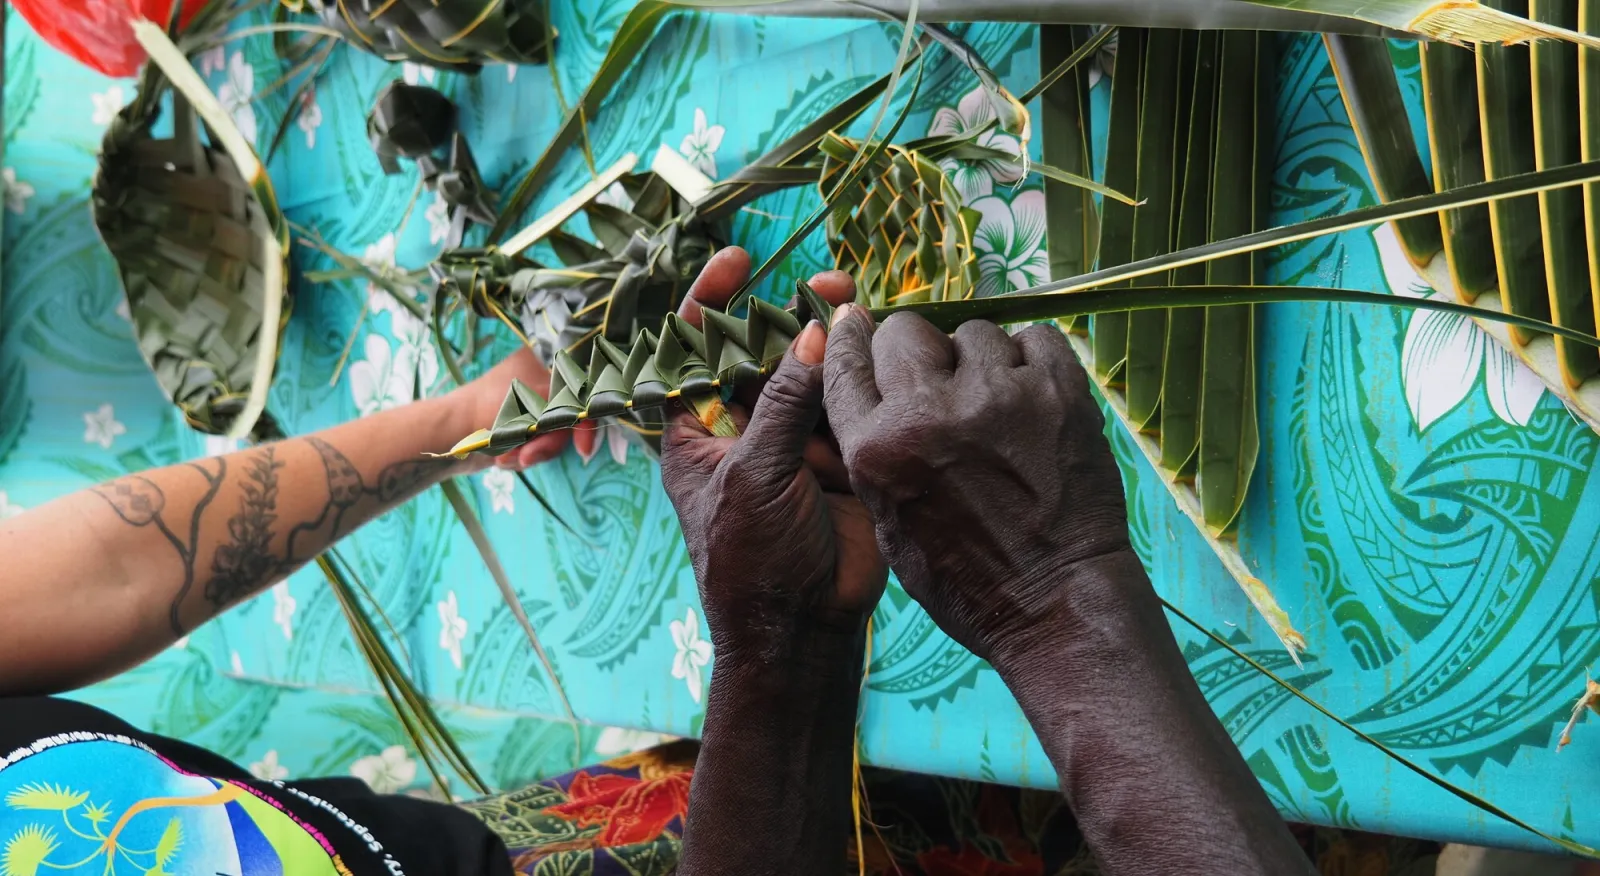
[
  {"x": 190, "y": 237},
  {"x": 902, "y": 230},
  {"x": 449, "y": 34},
  {"x": 679, "y": 361},
  {"x": 637, "y": 273}
]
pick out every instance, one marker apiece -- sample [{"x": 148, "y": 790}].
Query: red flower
[
  {"x": 99, "y": 32},
  {"x": 632, "y": 811},
  {"x": 971, "y": 862}
]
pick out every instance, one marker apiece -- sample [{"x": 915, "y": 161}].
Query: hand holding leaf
[
  {"x": 781, "y": 548},
  {"x": 982, "y": 459}
]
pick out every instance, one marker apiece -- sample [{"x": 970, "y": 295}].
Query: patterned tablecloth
[{"x": 1425, "y": 514}]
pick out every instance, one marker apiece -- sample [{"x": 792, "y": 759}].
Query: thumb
[
  {"x": 851, "y": 389},
  {"x": 788, "y": 411}
]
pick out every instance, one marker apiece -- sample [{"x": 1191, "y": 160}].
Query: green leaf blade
[
  {"x": 1556, "y": 141},
  {"x": 1108, "y": 332},
  {"x": 1504, "y": 81},
  {"x": 1455, "y": 140}
]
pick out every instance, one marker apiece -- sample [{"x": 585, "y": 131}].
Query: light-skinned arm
[{"x": 98, "y": 581}]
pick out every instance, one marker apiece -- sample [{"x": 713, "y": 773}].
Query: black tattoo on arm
[
  {"x": 245, "y": 561},
  {"x": 139, "y": 502},
  {"x": 346, "y": 489}
]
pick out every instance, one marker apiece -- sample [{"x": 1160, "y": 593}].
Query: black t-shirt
[{"x": 83, "y": 792}]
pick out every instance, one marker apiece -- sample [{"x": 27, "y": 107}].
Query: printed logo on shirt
[{"x": 107, "y": 805}]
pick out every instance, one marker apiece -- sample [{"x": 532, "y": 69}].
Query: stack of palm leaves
[
  {"x": 1190, "y": 111},
  {"x": 1492, "y": 112}
]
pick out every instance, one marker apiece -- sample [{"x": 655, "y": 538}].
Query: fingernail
[
  {"x": 840, "y": 313},
  {"x": 810, "y": 346}
]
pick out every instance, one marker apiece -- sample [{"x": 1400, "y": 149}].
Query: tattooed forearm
[
  {"x": 346, "y": 489},
  {"x": 246, "y": 561},
  {"x": 139, "y": 502},
  {"x": 269, "y": 533}
]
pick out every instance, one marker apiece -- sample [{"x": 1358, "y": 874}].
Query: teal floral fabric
[{"x": 1426, "y": 514}]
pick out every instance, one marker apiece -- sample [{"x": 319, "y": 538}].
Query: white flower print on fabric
[
  {"x": 107, "y": 104},
  {"x": 415, "y": 74},
  {"x": 213, "y": 60},
  {"x": 415, "y": 354},
  {"x": 588, "y": 440},
  {"x": 100, "y": 426},
  {"x": 1010, "y": 243},
  {"x": 700, "y": 145},
  {"x": 283, "y": 606},
  {"x": 181, "y": 643},
  {"x": 438, "y": 216},
  {"x": 236, "y": 663},
  {"x": 616, "y": 196},
  {"x": 976, "y": 179},
  {"x": 267, "y": 769},
  {"x": 693, "y": 652},
  {"x": 310, "y": 117},
  {"x": 7, "y": 508},
  {"x": 379, "y": 257},
  {"x": 500, "y": 484},
  {"x": 615, "y": 741},
  {"x": 511, "y": 72},
  {"x": 452, "y": 627},
  {"x": 379, "y": 382},
  {"x": 388, "y": 772},
  {"x": 1445, "y": 354},
  {"x": 17, "y": 192},
  {"x": 236, "y": 93}
]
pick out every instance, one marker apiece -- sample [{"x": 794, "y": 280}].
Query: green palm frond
[
  {"x": 419, "y": 123},
  {"x": 433, "y": 742},
  {"x": 1455, "y": 22},
  {"x": 1494, "y": 112}
]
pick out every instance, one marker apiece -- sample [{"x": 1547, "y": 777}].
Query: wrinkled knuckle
[
  {"x": 792, "y": 387},
  {"x": 1047, "y": 339},
  {"x": 896, "y": 330}
]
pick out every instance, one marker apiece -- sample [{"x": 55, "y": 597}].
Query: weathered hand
[
  {"x": 780, "y": 546},
  {"x": 983, "y": 462},
  {"x": 480, "y": 401}
]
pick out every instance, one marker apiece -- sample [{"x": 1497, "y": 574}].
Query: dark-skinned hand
[
  {"x": 983, "y": 461},
  {"x": 780, "y": 546}
]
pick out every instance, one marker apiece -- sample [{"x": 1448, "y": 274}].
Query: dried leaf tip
[
  {"x": 478, "y": 440},
  {"x": 1589, "y": 700}
]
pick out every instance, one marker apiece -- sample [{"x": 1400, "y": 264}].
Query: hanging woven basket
[{"x": 201, "y": 252}]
